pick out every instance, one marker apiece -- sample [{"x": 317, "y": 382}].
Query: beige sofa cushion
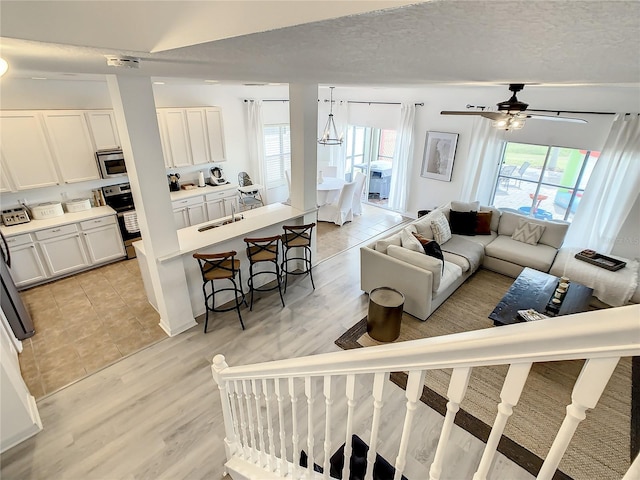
[
  {"x": 538, "y": 256},
  {"x": 483, "y": 240},
  {"x": 383, "y": 243},
  {"x": 419, "y": 260},
  {"x": 465, "y": 206},
  {"x": 409, "y": 241},
  {"x": 451, "y": 273},
  {"x": 458, "y": 260},
  {"x": 554, "y": 231}
]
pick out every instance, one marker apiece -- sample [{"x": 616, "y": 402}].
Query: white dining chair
[
  {"x": 357, "y": 193},
  {"x": 340, "y": 211},
  {"x": 329, "y": 171}
]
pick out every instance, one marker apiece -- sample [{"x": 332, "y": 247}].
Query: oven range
[{"x": 120, "y": 199}]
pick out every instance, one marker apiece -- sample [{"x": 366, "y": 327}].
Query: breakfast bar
[{"x": 221, "y": 235}]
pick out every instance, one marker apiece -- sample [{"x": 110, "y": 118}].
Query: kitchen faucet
[{"x": 233, "y": 212}]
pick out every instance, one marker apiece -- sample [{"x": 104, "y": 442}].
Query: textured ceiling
[{"x": 549, "y": 42}]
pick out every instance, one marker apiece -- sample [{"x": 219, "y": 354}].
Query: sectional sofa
[{"x": 399, "y": 262}]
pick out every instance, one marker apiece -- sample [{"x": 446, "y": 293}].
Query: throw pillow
[
  {"x": 463, "y": 223},
  {"x": 465, "y": 206},
  {"x": 409, "y": 241},
  {"x": 440, "y": 228},
  {"x": 383, "y": 244},
  {"x": 483, "y": 223},
  {"x": 527, "y": 232}
]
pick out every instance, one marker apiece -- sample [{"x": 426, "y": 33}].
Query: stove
[{"x": 120, "y": 199}]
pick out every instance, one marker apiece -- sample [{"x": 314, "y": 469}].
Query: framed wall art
[{"x": 439, "y": 153}]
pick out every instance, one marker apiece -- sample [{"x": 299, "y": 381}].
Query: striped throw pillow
[{"x": 528, "y": 232}]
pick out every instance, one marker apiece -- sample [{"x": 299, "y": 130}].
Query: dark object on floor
[{"x": 382, "y": 469}]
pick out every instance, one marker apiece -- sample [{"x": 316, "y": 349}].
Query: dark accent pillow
[
  {"x": 431, "y": 248},
  {"x": 483, "y": 223},
  {"x": 463, "y": 223}
]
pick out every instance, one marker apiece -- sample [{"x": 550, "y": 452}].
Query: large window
[
  {"x": 277, "y": 153},
  {"x": 541, "y": 181}
]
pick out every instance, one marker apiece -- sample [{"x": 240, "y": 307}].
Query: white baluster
[
  {"x": 457, "y": 389},
  {"x": 379, "y": 381},
  {"x": 257, "y": 395},
  {"x": 593, "y": 378},
  {"x": 243, "y": 420},
  {"x": 252, "y": 433},
  {"x": 294, "y": 426},
  {"x": 510, "y": 395},
  {"x": 230, "y": 443},
  {"x": 268, "y": 399},
  {"x": 283, "y": 470},
  {"x": 415, "y": 383},
  {"x": 351, "y": 403},
  {"x": 328, "y": 402},
  {"x": 234, "y": 414},
  {"x": 309, "y": 393}
]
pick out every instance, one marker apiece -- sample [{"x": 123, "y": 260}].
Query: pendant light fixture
[{"x": 330, "y": 133}]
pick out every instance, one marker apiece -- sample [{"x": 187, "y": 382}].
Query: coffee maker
[
  {"x": 174, "y": 185},
  {"x": 217, "y": 177}
]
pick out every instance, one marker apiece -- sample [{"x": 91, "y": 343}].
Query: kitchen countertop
[
  {"x": 191, "y": 240},
  {"x": 76, "y": 217},
  {"x": 194, "y": 192}
]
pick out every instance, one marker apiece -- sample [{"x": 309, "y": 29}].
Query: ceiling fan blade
[
  {"x": 555, "y": 118},
  {"x": 489, "y": 115}
]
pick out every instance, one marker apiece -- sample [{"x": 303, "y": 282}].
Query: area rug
[{"x": 601, "y": 446}]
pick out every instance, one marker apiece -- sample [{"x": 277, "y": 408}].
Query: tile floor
[{"x": 90, "y": 320}]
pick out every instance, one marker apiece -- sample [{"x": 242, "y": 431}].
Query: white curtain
[
  {"x": 401, "y": 157},
  {"x": 612, "y": 189},
  {"x": 338, "y": 153},
  {"x": 255, "y": 141},
  {"x": 485, "y": 150}
]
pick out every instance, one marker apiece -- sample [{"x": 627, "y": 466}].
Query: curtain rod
[
  {"x": 252, "y": 100},
  {"x": 421, "y": 104}
]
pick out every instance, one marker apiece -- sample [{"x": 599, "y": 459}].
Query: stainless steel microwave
[{"x": 111, "y": 163}]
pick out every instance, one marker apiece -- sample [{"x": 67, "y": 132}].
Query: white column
[{"x": 135, "y": 110}]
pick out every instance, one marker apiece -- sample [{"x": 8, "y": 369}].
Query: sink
[{"x": 220, "y": 223}]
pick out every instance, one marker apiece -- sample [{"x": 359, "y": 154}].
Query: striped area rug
[{"x": 600, "y": 448}]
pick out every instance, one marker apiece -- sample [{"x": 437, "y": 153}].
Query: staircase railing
[{"x": 260, "y": 402}]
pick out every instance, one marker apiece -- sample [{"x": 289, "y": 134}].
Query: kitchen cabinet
[
  {"x": 26, "y": 265},
  {"x": 221, "y": 204},
  {"x": 177, "y": 137},
  {"x": 104, "y": 131},
  {"x": 215, "y": 134},
  {"x": 189, "y": 211},
  {"x": 198, "y": 141},
  {"x": 71, "y": 145},
  {"x": 62, "y": 249},
  {"x": 6, "y": 185},
  {"x": 24, "y": 148},
  {"x": 102, "y": 239}
]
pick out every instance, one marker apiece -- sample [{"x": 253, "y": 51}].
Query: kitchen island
[{"x": 221, "y": 235}]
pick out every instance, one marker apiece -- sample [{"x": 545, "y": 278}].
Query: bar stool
[
  {"x": 220, "y": 266},
  {"x": 260, "y": 250},
  {"x": 297, "y": 236}
]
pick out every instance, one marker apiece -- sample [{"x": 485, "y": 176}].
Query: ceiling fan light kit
[
  {"x": 511, "y": 114},
  {"x": 330, "y": 133}
]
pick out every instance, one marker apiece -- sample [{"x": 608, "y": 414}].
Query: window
[
  {"x": 543, "y": 181},
  {"x": 277, "y": 153}
]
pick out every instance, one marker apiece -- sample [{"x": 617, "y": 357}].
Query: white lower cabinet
[
  {"x": 221, "y": 204},
  {"x": 26, "y": 265},
  {"x": 103, "y": 240},
  {"x": 189, "y": 211},
  {"x": 181, "y": 218},
  {"x": 197, "y": 214},
  {"x": 215, "y": 209},
  {"x": 62, "y": 249}
]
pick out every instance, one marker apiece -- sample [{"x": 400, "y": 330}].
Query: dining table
[{"x": 329, "y": 190}]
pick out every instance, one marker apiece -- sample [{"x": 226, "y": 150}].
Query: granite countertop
[{"x": 35, "y": 225}]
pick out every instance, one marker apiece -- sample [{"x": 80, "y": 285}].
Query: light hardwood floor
[{"x": 156, "y": 414}]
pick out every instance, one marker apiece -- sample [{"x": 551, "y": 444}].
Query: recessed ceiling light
[
  {"x": 274, "y": 84},
  {"x": 158, "y": 83},
  {"x": 211, "y": 81},
  {"x": 4, "y": 66},
  {"x": 38, "y": 78}
]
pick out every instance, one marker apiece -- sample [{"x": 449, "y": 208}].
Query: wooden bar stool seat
[
  {"x": 263, "y": 250},
  {"x": 216, "y": 267},
  {"x": 297, "y": 237}
]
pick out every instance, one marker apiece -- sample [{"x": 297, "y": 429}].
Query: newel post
[{"x": 230, "y": 443}]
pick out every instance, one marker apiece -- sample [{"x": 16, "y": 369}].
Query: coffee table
[{"x": 533, "y": 289}]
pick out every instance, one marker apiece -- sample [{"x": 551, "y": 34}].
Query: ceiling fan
[{"x": 512, "y": 113}]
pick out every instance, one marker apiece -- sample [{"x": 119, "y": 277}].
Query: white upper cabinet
[
  {"x": 163, "y": 140},
  {"x": 215, "y": 135},
  {"x": 104, "y": 132},
  {"x": 177, "y": 140},
  {"x": 25, "y": 150},
  {"x": 6, "y": 185},
  {"x": 197, "y": 126},
  {"x": 71, "y": 145}
]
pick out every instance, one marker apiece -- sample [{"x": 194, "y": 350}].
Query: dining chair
[
  {"x": 357, "y": 194},
  {"x": 341, "y": 211}
]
